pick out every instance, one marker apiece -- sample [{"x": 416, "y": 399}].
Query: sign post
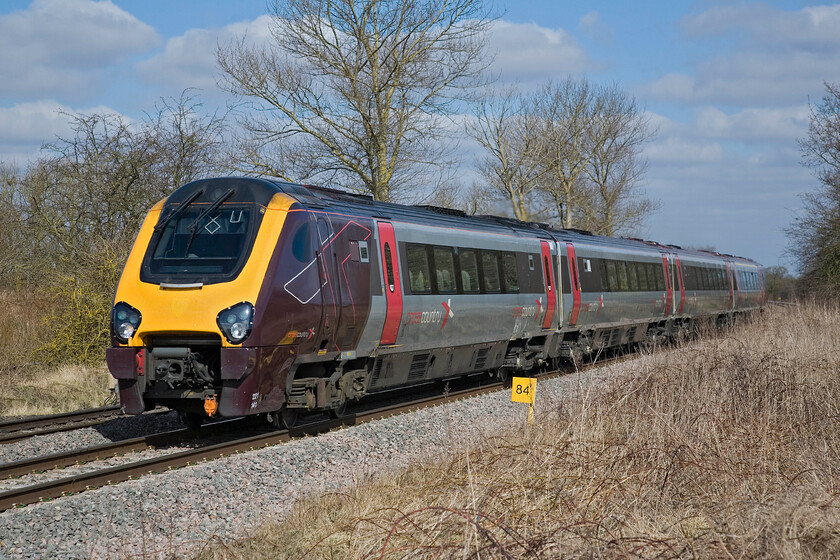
[{"x": 524, "y": 390}]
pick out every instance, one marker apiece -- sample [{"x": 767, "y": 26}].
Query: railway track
[
  {"x": 16, "y": 430},
  {"x": 112, "y": 475}
]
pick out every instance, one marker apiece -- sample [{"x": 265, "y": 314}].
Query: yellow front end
[{"x": 193, "y": 310}]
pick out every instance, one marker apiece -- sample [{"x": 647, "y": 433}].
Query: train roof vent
[
  {"x": 674, "y": 247},
  {"x": 345, "y": 196},
  {"x": 442, "y": 210},
  {"x": 580, "y": 231}
]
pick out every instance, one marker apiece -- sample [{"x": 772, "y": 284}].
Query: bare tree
[
  {"x": 505, "y": 127},
  {"x": 79, "y": 206},
  {"x": 352, "y": 93},
  {"x": 593, "y": 137},
  {"x": 615, "y": 165},
  {"x": 565, "y": 113},
  {"x": 815, "y": 233}
]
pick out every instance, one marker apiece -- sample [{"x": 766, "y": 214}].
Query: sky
[{"x": 727, "y": 86}]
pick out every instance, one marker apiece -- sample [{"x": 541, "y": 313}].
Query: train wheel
[
  {"x": 191, "y": 419},
  {"x": 284, "y": 418},
  {"x": 505, "y": 377},
  {"x": 340, "y": 411}
]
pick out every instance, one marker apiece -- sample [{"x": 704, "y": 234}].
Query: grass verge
[
  {"x": 28, "y": 386},
  {"x": 727, "y": 448}
]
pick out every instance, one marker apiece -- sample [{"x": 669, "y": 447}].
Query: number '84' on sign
[{"x": 523, "y": 390}]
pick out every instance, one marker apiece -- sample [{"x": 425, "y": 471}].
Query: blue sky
[{"x": 726, "y": 83}]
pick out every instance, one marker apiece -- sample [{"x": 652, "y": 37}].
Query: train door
[
  {"x": 735, "y": 288},
  {"x": 550, "y": 287},
  {"x": 391, "y": 277},
  {"x": 330, "y": 297},
  {"x": 575, "y": 285},
  {"x": 679, "y": 278},
  {"x": 731, "y": 281},
  {"x": 669, "y": 283}
]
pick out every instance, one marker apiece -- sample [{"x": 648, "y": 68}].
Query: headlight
[
  {"x": 124, "y": 321},
  {"x": 235, "y": 322}
]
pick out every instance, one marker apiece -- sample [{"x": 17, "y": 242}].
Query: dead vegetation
[
  {"x": 727, "y": 448},
  {"x": 29, "y": 385}
]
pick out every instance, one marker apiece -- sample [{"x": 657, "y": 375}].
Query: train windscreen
[{"x": 195, "y": 244}]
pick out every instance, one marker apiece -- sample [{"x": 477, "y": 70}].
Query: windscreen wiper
[
  {"x": 194, "y": 225},
  {"x": 181, "y": 207}
]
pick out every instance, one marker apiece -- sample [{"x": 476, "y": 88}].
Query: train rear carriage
[
  {"x": 706, "y": 283},
  {"x": 749, "y": 285}
]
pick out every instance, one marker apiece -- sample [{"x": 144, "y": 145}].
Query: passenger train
[{"x": 254, "y": 296}]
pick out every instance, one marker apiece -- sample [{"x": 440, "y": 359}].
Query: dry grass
[
  {"x": 725, "y": 449},
  {"x": 27, "y": 385},
  {"x": 54, "y": 389}
]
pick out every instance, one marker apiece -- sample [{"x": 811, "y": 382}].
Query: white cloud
[
  {"x": 812, "y": 28},
  {"x": 25, "y": 127},
  {"x": 56, "y": 48},
  {"x": 189, "y": 60},
  {"x": 759, "y": 124},
  {"x": 681, "y": 150},
  {"x": 527, "y": 52},
  {"x": 776, "y": 57}
]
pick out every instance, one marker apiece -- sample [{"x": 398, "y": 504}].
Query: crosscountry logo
[{"x": 449, "y": 312}]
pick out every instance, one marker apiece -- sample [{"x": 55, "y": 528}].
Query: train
[{"x": 246, "y": 296}]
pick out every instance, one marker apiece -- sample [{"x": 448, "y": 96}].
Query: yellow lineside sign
[{"x": 523, "y": 390}]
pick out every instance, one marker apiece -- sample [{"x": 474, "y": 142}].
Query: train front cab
[{"x": 197, "y": 324}]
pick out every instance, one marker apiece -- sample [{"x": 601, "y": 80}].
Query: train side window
[
  {"x": 510, "y": 277},
  {"x": 621, "y": 267},
  {"x": 633, "y": 283},
  {"x": 650, "y": 271},
  {"x": 547, "y": 272},
  {"x": 660, "y": 278},
  {"x": 490, "y": 270},
  {"x": 590, "y": 280},
  {"x": 612, "y": 276},
  {"x": 418, "y": 269},
  {"x": 469, "y": 271},
  {"x": 602, "y": 269},
  {"x": 444, "y": 270},
  {"x": 642, "y": 276},
  {"x": 564, "y": 271},
  {"x": 302, "y": 244},
  {"x": 389, "y": 267}
]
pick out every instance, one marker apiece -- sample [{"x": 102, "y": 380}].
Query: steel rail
[
  {"x": 16, "y": 430},
  {"x": 60, "y": 460},
  {"x": 113, "y": 475}
]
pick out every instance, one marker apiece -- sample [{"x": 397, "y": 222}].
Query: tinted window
[
  {"x": 660, "y": 277},
  {"x": 389, "y": 268},
  {"x": 469, "y": 271},
  {"x": 634, "y": 279},
  {"x": 490, "y": 269},
  {"x": 621, "y": 267},
  {"x": 195, "y": 245},
  {"x": 444, "y": 270},
  {"x": 418, "y": 269},
  {"x": 612, "y": 276},
  {"x": 642, "y": 276},
  {"x": 510, "y": 275}
]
